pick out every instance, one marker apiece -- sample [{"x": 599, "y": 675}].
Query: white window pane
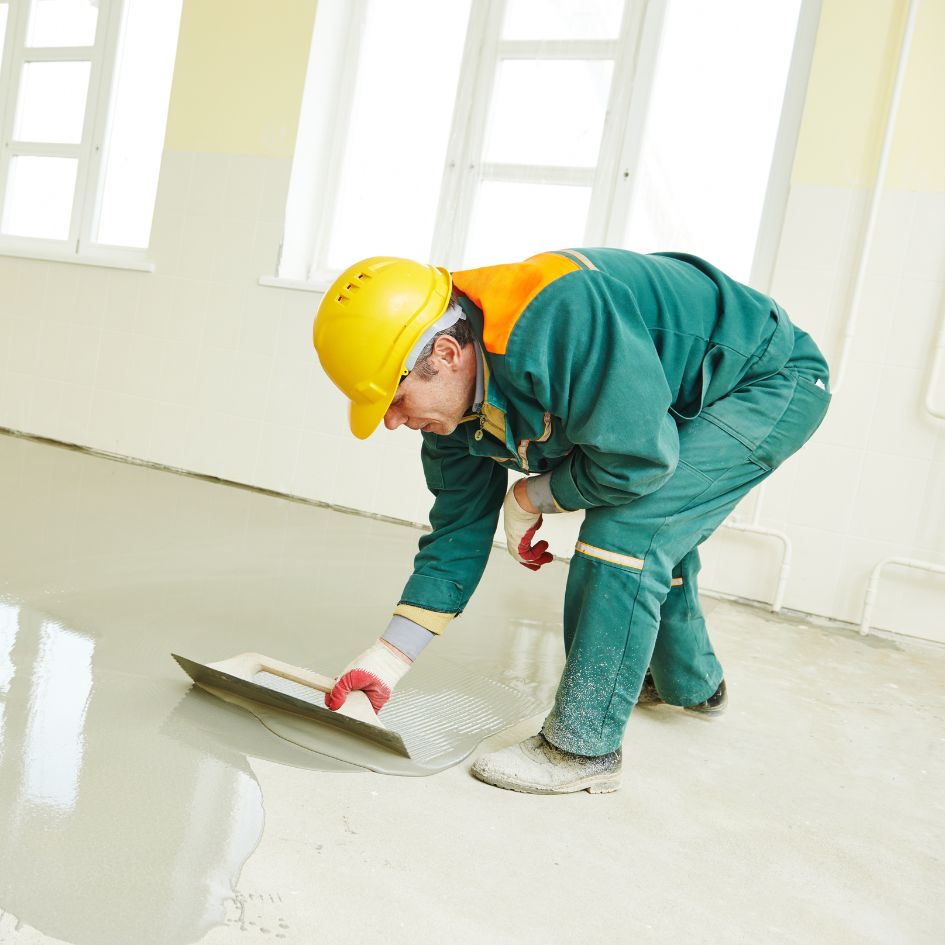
[
  {"x": 562, "y": 19},
  {"x": 711, "y": 128},
  {"x": 39, "y": 197},
  {"x": 52, "y": 102},
  {"x": 62, "y": 23},
  {"x": 4, "y": 9},
  {"x": 399, "y": 126},
  {"x": 548, "y": 112},
  {"x": 138, "y": 122},
  {"x": 514, "y": 221}
]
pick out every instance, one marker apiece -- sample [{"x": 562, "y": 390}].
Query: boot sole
[
  {"x": 705, "y": 713},
  {"x": 605, "y": 784}
]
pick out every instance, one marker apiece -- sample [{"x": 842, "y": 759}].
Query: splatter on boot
[{"x": 535, "y": 766}]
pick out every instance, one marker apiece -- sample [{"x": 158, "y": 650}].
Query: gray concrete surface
[{"x": 134, "y": 809}]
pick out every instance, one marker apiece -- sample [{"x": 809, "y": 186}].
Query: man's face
[
  {"x": 424, "y": 405},
  {"x": 437, "y": 404}
]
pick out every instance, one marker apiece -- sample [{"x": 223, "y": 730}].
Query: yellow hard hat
[{"x": 368, "y": 323}]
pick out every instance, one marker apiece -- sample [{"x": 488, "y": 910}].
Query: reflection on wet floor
[
  {"x": 121, "y": 784},
  {"x": 96, "y": 806}
]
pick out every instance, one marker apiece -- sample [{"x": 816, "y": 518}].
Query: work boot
[
  {"x": 648, "y": 694},
  {"x": 714, "y": 705},
  {"x": 535, "y": 766}
]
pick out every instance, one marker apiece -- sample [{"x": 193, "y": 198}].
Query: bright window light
[
  {"x": 52, "y": 102},
  {"x": 77, "y": 171},
  {"x": 539, "y": 124},
  {"x": 546, "y": 216},
  {"x": 562, "y": 19},
  {"x": 562, "y": 123},
  {"x": 62, "y": 23},
  {"x": 4, "y": 12},
  {"x": 390, "y": 174},
  {"x": 9, "y": 627},
  {"x": 55, "y": 733},
  {"x": 711, "y": 127},
  {"x": 40, "y": 193},
  {"x": 138, "y": 120}
]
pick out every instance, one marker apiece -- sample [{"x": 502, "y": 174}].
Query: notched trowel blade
[{"x": 213, "y": 677}]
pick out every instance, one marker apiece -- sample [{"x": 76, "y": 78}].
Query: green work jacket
[{"x": 591, "y": 358}]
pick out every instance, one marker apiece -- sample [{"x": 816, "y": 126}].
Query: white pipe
[
  {"x": 778, "y": 602},
  {"x": 875, "y": 194},
  {"x": 936, "y": 370},
  {"x": 872, "y": 589}
]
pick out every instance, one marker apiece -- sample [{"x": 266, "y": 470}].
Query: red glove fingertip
[
  {"x": 359, "y": 680},
  {"x": 336, "y": 698},
  {"x": 535, "y": 552}
]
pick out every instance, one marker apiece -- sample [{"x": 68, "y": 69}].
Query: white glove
[
  {"x": 375, "y": 673},
  {"x": 520, "y": 528}
]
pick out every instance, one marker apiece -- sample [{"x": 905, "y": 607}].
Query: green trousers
[{"x": 632, "y": 596}]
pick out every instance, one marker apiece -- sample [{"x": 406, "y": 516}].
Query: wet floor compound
[{"x": 137, "y": 809}]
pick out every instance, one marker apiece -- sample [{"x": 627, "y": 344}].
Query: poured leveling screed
[
  {"x": 417, "y": 733},
  {"x": 130, "y": 800}
]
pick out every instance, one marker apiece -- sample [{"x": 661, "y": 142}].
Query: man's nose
[{"x": 393, "y": 418}]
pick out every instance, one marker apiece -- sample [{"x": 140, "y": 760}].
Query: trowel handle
[{"x": 246, "y": 665}]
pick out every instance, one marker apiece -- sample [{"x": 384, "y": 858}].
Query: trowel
[{"x": 279, "y": 685}]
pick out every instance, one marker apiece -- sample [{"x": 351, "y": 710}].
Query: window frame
[
  {"x": 78, "y": 247},
  {"x": 465, "y": 169},
  {"x": 330, "y": 84}
]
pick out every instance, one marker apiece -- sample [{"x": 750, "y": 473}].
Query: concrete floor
[{"x": 134, "y": 809}]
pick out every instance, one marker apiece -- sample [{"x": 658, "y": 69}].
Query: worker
[{"x": 650, "y": 391}]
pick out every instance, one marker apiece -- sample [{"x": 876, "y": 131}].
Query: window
[
  {"x": 535, "y": 124},
  {"x": 86, "y": 87}
]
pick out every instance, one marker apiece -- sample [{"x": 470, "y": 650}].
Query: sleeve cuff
[
  {"x": 564, "y": 490},
  {"x": 540, "y": 494},
  {"x": 409, "y": 637},
  {"x": 431, "y": 601},
  {"x": 433, "y": 621}
]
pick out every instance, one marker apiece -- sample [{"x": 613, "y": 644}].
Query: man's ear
[{"x": 448, "y": 350}]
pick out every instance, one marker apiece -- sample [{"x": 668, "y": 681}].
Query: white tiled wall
[
  {"x": 196, "y": 366},
  {"x": 871, "y": 484}
]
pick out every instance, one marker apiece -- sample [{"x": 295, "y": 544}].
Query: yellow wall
[
  {"x": 239, "y": 76},
  {"x": 917, "y": 161},
  {"x": 848, "y": 97}
]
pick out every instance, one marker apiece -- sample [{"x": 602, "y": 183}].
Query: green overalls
[{"x": 656, "y": 392}]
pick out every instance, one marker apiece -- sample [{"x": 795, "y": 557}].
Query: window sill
[
  {"x": 106, "y": 258},
  {"x": 278, "y": 282}
]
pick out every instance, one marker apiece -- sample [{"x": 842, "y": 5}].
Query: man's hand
[
  {"x": 375, "y": 672},
  {"x": 522, "y": 520}
]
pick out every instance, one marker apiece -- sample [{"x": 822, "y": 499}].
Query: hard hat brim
[{"x": 364, "y": 418}]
